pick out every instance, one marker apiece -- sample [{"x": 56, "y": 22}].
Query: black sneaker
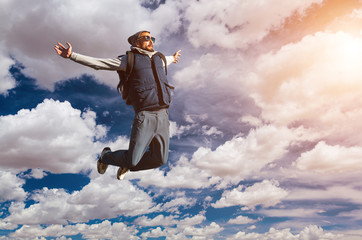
[
  {"x": 121, "y": 172},
  {"x": 102, "y": 167}
]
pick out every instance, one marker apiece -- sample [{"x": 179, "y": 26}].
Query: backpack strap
[
  {"x": 124, "y": 76},
  {"x": 130, "y": 63},
  {"x": 163, "y": 59}
]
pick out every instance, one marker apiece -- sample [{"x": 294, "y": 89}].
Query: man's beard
[{"x": 149, "y": 48}]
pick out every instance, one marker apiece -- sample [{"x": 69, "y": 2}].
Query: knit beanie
[{"x": 133, "y": 39}]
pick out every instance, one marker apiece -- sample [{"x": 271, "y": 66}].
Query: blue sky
[{"x": 265, "y": 121}]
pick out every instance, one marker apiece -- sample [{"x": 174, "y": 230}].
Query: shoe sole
[
  {"x": 121, "y": 173},
  {"x": 102, "y": 169}
]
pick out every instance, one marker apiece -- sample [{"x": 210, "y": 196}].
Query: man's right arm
[{"x": 112, "y": 64}]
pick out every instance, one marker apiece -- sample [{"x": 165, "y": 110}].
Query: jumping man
[{"x": 150, "y": 95}]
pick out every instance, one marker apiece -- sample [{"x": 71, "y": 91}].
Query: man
[{"x": 149, "y": 94}]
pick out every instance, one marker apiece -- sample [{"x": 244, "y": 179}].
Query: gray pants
[{"x": 150, "y": 130}]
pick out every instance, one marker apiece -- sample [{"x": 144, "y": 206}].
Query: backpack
[{"x": 123, "y": 85}]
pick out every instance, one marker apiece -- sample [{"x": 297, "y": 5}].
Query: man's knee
[{"x": 132, "y": 164}]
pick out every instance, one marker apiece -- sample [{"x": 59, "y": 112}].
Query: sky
[{"x": 265, "y": 121}]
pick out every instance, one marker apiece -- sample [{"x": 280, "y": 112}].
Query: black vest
[{"x": 148, "y": 85}]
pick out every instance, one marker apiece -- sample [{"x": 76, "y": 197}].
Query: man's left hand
[{"x": 177, "y": 56}]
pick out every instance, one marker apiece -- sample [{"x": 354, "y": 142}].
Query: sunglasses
[{"x": 148, "y": 38}]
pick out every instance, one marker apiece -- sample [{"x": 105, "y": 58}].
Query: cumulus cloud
[
  {"x": 294, "y": 212},
  {"x": 310, "y": 232},
  {"x": 209, "y": 131},
  {"x": 53, "y": 136},
  {"x": 105, "y": 229},
  {"x": 175, "y": 130},
  {"x": 11, "y": 187},
  {"x": 205, "y": 232},
  {"x": 36, "y": 173},
  {"x": 175, "y": 204},
  {"x": 240, "y": 220},
  {"x": 266, "y": 194},
  {"x": 235, "y": 160},
  {"x": 87, "y": 25},
  {"x": 102, "y": 198},
  {"x": 194, "y": 128},
  {"x": 205, "y": 70},
  {"x": 162, "y": 220},
  {"x": 176, "y": 228},
  {"x": 314, "y": 83},
  {"x": 6, "y": 80},
  {"x": 177, "y": 177},
  {"x": 159, "y": 220},
  {"x": 344, "y": 192},
  {"x": 101, "y": 21},
  {"x": 237, "y": 24},
  {"x": 321, "y": 70},
  {"x": 331, "y": 159},
  {"x": 243, "y": 157}
]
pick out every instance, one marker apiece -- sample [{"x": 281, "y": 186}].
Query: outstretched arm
[
  {"x": 177, "y": 56},
  {"x": 112, "y": 64},
  {"x": 173, "y": 58},
  {"x": 62, "y": 51}
]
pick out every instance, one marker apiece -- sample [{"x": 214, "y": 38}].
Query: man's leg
[
  {"x": 141, "y": 136},
  {"x": 157, "y": 154}
]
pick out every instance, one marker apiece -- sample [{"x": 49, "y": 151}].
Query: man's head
[{"x": 143, "y": 40}]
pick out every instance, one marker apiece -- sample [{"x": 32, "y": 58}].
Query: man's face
[{"x": 143, "y": 43}]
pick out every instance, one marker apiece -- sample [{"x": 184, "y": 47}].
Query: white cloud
[
  {"x": 244, "y": 157},
  {"x": 208, "y": 131},
  {"x": 182, "y": 227},
  {"x": 87, "y": 25},
  {"x": 177, "y": 177},
  {"x": 175, "y": 204},
  {"x": 53, "y": 137},
  {"x": 159, "y": 220},
  {"x": 350, "y": 234},
  {"x": 156, "y": 233},
  {"x": 347, "y": 192},
  {"x": 240, "y": 220},
  {"x": 310, "y": 232},
  {"x": 329, "y": 159},
  {"x": 299, "y": 84},
  {"x": 204, "y": 232},
  {"x": 110, "y": 230},
  {"x": 37, "y": 173},
  {"x": 251, "y": 120},
  {"x": 313, "y": 232},
  {"x": 237, "y": 24},
  {"x": 235, "y": 160},
  {"x": 354, "y": 214},
  {"x": 11, "y": 187},
  {"x": 294, "y": 212},
  {"x": 314, "y": 83},
  {"x": 8, "y": 226},
  {"x": 104, "y": 230},
  {"x": 266, "y": 194},
  {"x": 200, "y": 72},
  {"x": 186, "y": 227},
  {"x": 174, "y": 129},
  {"x": 178, "y": 131},
  {"x": 102, "y": 198},
  {"x": 7, "y": 82}
]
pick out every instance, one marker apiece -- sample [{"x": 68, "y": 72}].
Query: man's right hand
[{"x": 62, "y": 51}]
